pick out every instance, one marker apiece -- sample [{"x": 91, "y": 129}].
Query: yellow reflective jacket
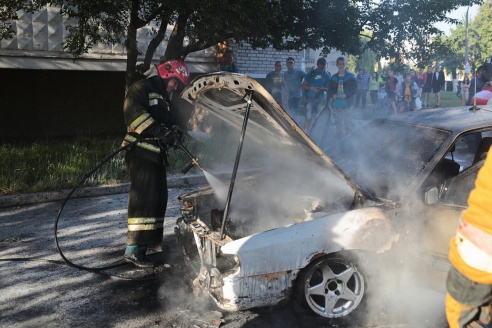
[{"x": 474, "y": 258}]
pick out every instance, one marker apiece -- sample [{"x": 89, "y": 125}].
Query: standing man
[
  {"x": 414, "y": 78},
  {"x": 148, "y": 115},
  {"x": 341, "y": 90},
  {"x": 469, "y": 283},
  {"x": 275, "y": 83},
  {"x": 363, "y": 79},
  {"x": 399, "y": 77},
  {"x": 293, "y": 81},
  {"x": 228, "y": 62},
  {"x": 476, "y": 84},
  {"x": 427, "y": 87},
  {"x": 391, "y": 89},
  {"x": 315, "y": 84},
  {"x": 438, "y": 85},
  {"x": 420, "y": 77}
]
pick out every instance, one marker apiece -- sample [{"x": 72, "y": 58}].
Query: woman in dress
[{"x": 465, "y": 86}]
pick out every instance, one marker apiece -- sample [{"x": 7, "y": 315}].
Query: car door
[
  {"x": 442, "y": 219},
  {"x": 459, "y": 171}
]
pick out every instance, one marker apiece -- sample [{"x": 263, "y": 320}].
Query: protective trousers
[{"x": 147, "y": 202}]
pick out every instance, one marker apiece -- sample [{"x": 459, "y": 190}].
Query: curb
[{"x": 173, "y": 181}]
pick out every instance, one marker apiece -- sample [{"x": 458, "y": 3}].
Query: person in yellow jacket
[{"x": 469, "y": 282}]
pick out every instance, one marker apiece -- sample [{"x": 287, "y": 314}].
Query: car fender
[{"x": 295, "y": 246}]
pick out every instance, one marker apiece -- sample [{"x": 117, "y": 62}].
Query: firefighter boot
[{"x": 136, "y": 255}]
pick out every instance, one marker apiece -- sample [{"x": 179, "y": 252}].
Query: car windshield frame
[{"x": 386, "y": 156}]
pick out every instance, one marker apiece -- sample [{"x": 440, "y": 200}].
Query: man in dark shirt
[
  {"x": 363, "y": 79},
  {"x": 341, "y": 90},
  {"x": 275, "y": 83},
  {"x": 228, "y": 62},
  {"x": 476, "y": 85},
  {"x": 438, "y": 85},
  {"x": 293, "y": 81}
]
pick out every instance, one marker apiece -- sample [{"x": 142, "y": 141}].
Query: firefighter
[
  {"x": 150, "y": 118},
  {"x": 469, "y": 283}
]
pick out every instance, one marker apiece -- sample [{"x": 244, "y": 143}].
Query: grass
[
  {"x": 49, "y": 165},
  {"x": 448, "y": 99}
]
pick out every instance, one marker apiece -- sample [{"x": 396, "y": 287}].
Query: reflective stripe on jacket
[{"x": 471, "y": 250}]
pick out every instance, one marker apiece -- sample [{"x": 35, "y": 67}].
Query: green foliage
[
  {"x": 54, "y": 164},
  {"x": 452, "y": 48},
  {"x": 367, "y": 58},
  {"x": 480, "y": 35},
  {"x": 58, "y": 164},
  {"x": 393, "y": 25}
]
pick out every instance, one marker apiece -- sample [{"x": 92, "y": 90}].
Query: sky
[{"x": 458, "y": 14}]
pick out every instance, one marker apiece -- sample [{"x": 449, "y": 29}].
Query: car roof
[{"x": 454, "y": 119}]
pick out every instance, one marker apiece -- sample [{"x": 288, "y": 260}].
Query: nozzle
[{"x": 195, "y": 162}]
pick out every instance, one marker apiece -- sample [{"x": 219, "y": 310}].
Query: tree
[
  {"x": 481, "y": 36},
  {"x": 283, "y": 24},
  {"x": 366, "y": 58},
  {"x": 451, "y": 49}
]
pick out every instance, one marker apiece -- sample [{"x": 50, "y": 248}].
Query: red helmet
[{"x": 174, "y": 69}]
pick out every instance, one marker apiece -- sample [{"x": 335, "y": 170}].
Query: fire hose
[{"x": 194, "y": 162}]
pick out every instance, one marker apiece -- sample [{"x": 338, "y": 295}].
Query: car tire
[{"x": 333, "y": 286}]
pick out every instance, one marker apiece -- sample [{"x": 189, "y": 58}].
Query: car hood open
[{"x": 224, "y": 95}]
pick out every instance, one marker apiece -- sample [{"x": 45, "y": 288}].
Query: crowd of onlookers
[
  {"x": 312, "y": 91},
  {"x": 390, "y": 91}
]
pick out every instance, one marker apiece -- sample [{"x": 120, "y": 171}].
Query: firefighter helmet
[{"x": 174, "y": 69}]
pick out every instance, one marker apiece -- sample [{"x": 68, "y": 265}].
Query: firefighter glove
[
  {"x": 165, "y": 136},
  {"x": 178, "y": 136}
]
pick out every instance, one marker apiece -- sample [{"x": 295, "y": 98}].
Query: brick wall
[{"x": 259, "y": 62}]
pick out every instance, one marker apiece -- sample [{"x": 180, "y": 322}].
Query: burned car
[{"x": 310, "y": 222}]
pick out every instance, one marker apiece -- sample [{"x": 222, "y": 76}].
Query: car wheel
[{"x": 331, "y": 287}]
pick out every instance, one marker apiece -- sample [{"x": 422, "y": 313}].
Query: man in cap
[{"x": 152, "y": 129}]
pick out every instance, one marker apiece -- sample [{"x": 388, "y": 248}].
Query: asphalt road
[{"x": 38, "y": 289}]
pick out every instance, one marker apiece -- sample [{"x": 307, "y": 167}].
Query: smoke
[
  {"x": 384, "y": 158},
  {"x": 387, "y": 158},
  {"x": 289, "y": 182}
]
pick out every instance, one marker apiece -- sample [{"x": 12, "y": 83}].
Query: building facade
[{"x": 50, "y": 94}]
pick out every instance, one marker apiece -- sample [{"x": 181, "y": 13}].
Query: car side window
[
  {"x": 464, "y": 154},
  {"x": 471, "y": 148},
  {"x": 458, "y": 188}
]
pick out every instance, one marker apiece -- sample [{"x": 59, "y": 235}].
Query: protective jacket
[
  {"x": 146, "y": 110},
  {"x": 146, "y": 107},
  {"x": 471, "y": 248},
  {"x": 469, "y": 282}
]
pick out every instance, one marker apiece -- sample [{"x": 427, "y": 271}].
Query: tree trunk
[
  {"x": 131, "y": 46},
  {"x": 174, "y": 49},
  {"x": 131, "y": 59},
  {"x": 154, "y": 43}
]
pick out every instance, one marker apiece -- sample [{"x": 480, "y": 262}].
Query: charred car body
[{"x": 310, "y": 222}]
